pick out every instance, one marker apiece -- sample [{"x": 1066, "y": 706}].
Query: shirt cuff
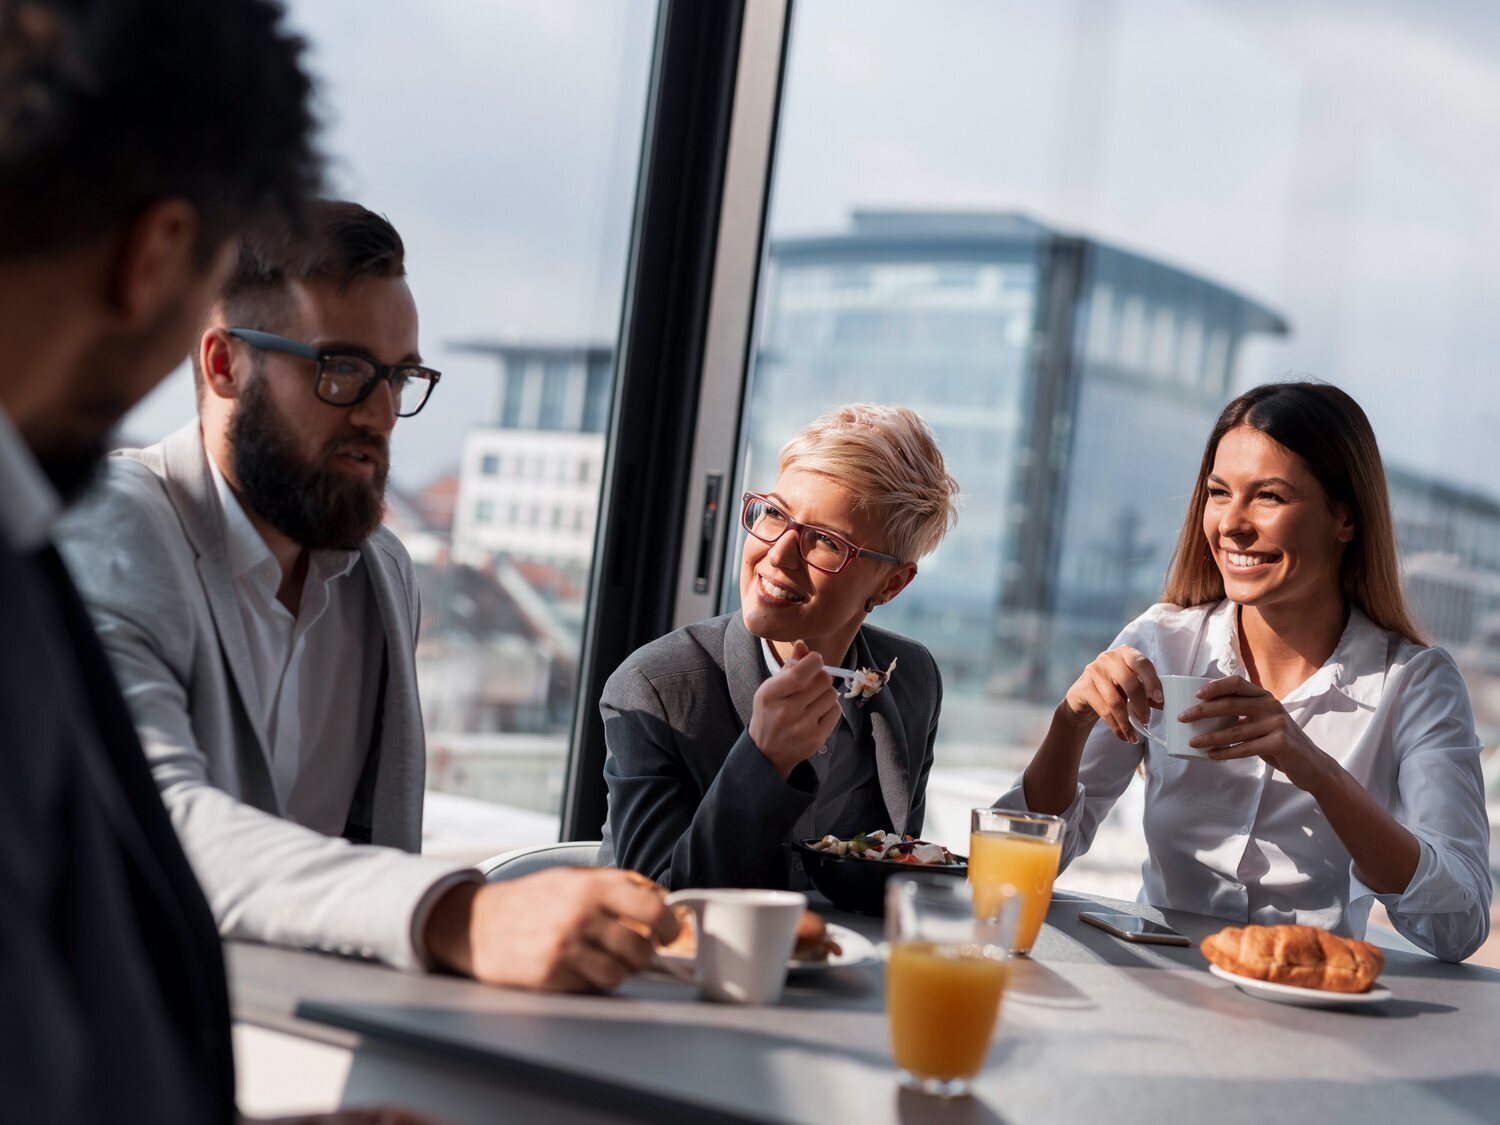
[
  {"x": 1431, "y": 890},
  {"x": 425, "y": 905}
]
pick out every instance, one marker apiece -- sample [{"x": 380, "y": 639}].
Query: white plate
[
  {"x": 854, "y": 949},
  {"x": 1301, "y": 997}
]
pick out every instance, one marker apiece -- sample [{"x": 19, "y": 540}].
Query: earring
[{"x": 870, "y": 605}]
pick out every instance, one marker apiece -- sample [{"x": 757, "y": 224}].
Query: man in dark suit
[{"x": 136, "y": 138}]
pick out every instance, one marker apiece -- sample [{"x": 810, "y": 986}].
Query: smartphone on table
[{"x": 1128, "y": 927}]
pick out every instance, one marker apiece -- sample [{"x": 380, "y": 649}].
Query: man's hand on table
[{"x": 569, "y": 930}]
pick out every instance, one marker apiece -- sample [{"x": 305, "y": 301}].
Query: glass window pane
[
  {"x": 506, "y": 156},
  {"x": 1031, "y": 224}
]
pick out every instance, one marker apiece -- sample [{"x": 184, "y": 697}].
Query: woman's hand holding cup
[
  {"x": 1257, "y": 725},
  {"x": 1118, "y": 684}
]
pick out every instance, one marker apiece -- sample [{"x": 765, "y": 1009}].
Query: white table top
[{"x": 1093, "y": 1029}]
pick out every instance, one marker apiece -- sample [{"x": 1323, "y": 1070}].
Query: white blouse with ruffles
[{"x": 1237, "y": 840}]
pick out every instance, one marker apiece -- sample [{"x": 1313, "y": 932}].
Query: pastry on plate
[{"x": 1304, "y": 956}]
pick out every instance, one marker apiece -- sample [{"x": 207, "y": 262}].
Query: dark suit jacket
[
  {"x": 692, "y": 800},
  {"x": 115, "y": 1007}
]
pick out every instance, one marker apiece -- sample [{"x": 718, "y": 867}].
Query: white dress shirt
[
  {"x": 28, "y": 502},
  {"x": 1236, "y": 840},
  {"x": 312, "y": 671}
]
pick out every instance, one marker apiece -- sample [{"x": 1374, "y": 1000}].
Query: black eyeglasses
[
  {"x": 347, "y": 380},
  {"x": 821, "y": 549}
]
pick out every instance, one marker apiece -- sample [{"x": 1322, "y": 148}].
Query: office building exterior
[
  {"x": 529, "y": 475},
  {"x": 1071, "y": 385}
]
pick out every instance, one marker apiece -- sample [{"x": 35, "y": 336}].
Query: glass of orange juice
[
  {"x": 1019, "y": 850},
  {"x": 945, "y": 975}
]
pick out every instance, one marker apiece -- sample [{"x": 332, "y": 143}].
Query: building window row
[
  {"x": 558, "y": 517},
  {"x": 1160, "y": 342},
  {"x": 537, "y": 466}
]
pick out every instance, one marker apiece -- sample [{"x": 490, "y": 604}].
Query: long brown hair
[{"x": 1330, "y": 433}]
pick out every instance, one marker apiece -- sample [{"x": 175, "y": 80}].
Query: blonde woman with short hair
[
  {"x": 728, "y": 738},
  {"x": 1350, "y": 773}
]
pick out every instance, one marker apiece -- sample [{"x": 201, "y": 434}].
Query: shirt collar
[
  {"x": 851, "y": 714},
  {"x": 247, "y": 551},
  {"x": 772, "y": 664},
  {"x": 1356, "y": 666},
  {"x": 769, "y": 656},
  {"x": 1223, "y": 640},
  {"x": 28, "y": 502}
]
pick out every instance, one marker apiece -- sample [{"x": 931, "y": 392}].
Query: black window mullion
[{"x": 657, "y": 370}]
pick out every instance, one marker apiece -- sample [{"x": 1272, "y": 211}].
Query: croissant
[{"x": 1298, "y": 955}]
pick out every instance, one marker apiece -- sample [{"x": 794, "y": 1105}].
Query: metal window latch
[{"x": 713, "y": 485}]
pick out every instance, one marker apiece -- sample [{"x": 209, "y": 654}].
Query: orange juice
[
  {"x": 943, "y": 1001},
  {"x": 1029, "y": 865}
]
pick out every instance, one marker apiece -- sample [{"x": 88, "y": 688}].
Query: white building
[{"x": 529, "y": 478}]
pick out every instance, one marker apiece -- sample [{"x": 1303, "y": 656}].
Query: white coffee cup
[
  {"x": 1180, "y": 693},
  {"x": 745, "y": 939}
]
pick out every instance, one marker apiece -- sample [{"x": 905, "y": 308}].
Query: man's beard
[{"x": 314, "y": 505}]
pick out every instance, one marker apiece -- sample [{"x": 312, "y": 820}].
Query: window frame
[{"x": 683, "y": 348}]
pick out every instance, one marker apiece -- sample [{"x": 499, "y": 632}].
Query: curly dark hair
[{"x": 109, "y": 105}]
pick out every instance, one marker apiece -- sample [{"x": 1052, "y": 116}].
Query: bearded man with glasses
[
  {"x": 728, "y": 738},
  {"x": 264, "y": 625}
]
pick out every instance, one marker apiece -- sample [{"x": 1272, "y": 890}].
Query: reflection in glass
[
  {"x": 508, "y": 162},
  {"x": 1067, "y": 234}
]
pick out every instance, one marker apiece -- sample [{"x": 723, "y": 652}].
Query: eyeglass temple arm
[{"x": 272, "y": 342}]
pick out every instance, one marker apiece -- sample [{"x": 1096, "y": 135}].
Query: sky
[
  {"x": 501, "y": 138},
  {"x": 1338, "y": 162}
]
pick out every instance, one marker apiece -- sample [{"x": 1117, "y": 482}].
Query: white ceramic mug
[
  {"x": 1180, "y": 693},
  {"x": 745, "y": 939}
]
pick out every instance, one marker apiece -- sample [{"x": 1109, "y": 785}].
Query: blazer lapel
[
  {"x": 744, "y": 666},
  {"x": 384, "y": 806},
  {"x": 190, "y": 486},
  {"x": 889, "y": 734}
]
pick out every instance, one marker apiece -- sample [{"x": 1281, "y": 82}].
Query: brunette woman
[{"x": 1352, "y": 771}]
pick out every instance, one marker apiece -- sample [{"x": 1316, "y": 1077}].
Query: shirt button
[{"x": 822, "y": 749}]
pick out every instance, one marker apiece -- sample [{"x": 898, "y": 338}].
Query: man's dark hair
[
  {"x": 107, "y": 106},
  {"x": 333, "y": 240}
]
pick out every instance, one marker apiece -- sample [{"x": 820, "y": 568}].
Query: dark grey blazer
[
  {"x": 115, "y": 1001},
  {"x": 692, "y": 801}
]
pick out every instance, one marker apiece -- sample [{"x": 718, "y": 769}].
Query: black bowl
[{"x": 858, "y": 885}]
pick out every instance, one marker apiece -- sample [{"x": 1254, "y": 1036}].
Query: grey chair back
[{"x": 528, "y": 861}]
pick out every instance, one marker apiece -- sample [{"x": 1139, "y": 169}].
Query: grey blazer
[
  {"x": 147, "y": 552},
  {"x": 693, "y": 801}
]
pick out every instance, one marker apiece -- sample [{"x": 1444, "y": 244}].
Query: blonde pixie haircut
[{"x": 887, "y": 457}]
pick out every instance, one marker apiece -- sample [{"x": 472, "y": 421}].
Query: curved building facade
[{"x": 1070, "y": 383}]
